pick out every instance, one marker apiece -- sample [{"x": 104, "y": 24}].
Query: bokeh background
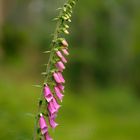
[{"x": 102, "y": 98}]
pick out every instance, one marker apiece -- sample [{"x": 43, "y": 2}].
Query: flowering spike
[{"x": 53, "y": 74}]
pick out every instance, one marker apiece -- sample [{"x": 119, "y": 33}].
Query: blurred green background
[{"x": 102, "y": 98}]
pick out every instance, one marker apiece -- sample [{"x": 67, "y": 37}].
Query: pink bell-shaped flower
[
  {"x": 56, "y": 77},
  {"x": 58, "y": 93},
  {"x": 47, "y": 93},
  {"x": 53, "y": 106},
  {"x": 56, "y": 105},
  {"x": 52, "y": 122},
  {"x": 47, "y": 137},
  {"x": 43, "y": 125},
  {"x": 61, "y": 87},
  {"x": 60, "y": 66},
  {"x": 61, "y": 77}
]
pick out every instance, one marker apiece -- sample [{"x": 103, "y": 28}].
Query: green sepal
[
  {"x": 65, "y": 31},
  {"x": 66, "y": 26}
]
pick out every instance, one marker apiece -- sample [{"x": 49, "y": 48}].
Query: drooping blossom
[
  {"x": 60, "y": 66},
  {"x": 47, "y": 137},
  {"x": 61, "y": 87},
  {"x": 43, "y": 125},
  {"x": 52, "y": 122},
  {"x": 65, "y": 51},
  {"x": 61, "y": 77},
  {"x": 53, "y": 106},
  {"x": 57, "y": 78},
  {"x": 56, "y": 105},
  {"x": 47, "y": 93},
  {"x": 58, "y": 93},
  {"x": 54, "y": 115},
  {"x": 64, "y": 43}
]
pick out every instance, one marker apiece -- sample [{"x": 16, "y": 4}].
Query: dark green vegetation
[{"x": 102, "y": 97}]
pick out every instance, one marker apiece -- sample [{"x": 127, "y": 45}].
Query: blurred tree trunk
[
  {"x": 1, "y": 22},
  {"x": 1, "y": 15}
]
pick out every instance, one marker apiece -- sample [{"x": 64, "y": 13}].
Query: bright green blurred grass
[{"x": 101, "y": 114}]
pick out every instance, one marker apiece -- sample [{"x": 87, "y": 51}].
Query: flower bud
[
  {"x": 65, "y": 51},
  {"x": 64, "y": 43}
]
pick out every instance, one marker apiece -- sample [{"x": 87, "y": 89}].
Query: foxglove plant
[{"x": 53, "y": 88}]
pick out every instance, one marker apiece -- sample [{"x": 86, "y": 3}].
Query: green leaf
[
  {"x": 55, "y": 19},
  {"x": 30, "y": 115},
  {"x": 46, "y": 52},
  {"x": 43, "y": 73},
  {"x": 38, "y": 86},
  {"x": 59, "y": 8}
]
